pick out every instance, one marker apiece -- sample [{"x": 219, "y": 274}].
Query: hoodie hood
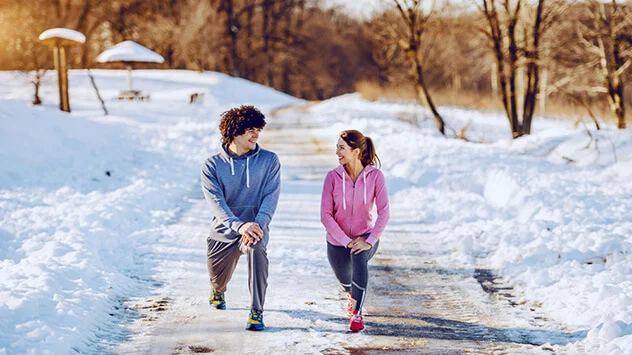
[
  {"x": 232, "y": 204},
  {"x": 230, "y": 157},
  {"x": 342, "y": 173}
]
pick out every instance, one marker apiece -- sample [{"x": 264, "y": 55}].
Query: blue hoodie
[{"x": 241, "y": 189}]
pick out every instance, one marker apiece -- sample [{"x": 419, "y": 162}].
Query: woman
[{"x": 349, "y": 192}]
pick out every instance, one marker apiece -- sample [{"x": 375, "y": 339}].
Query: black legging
[{"x": 351, "y": 270}]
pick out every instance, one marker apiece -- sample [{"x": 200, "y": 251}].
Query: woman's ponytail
[
  {"x": 369, "y": 156},
  {"x": 356, "y": 140}
]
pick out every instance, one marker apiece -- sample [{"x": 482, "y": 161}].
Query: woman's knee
[{"x": 362, "y": 257}]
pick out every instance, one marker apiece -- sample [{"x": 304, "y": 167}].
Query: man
[{"x": 241, "y": 185}]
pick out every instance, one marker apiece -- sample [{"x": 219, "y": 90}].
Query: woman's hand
[{"x": 358, "y": 245}]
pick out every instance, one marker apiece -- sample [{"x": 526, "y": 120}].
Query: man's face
[{"x": 247, "y": 141}]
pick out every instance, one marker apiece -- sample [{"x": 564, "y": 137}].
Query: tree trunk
[
  {"x": 617, "y": 105},
  {"x": 286, "y": 84},
  {"x": 519, "y": 101},
  {"x": 413, "y": 16},
  {"x": 516, "y": 127},
  {"x": 250, "y": 14},
  {"x": 266, "y": 26},
  {"x": 231, "y": 30},
  {"x": 424, "y": 94},
  {"x": 617, "y": 99},
  {"x": 497, "y": 37},
  {"x": 611, "y": 61},
  {"x": 533, "y": 73}
]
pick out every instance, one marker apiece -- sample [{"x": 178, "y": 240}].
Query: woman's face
[{"x": 345, "y": 154}]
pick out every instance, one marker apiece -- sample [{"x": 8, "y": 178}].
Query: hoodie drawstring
[
  {"x": 232, "y": 170},
  {"x": 248, "y": 172},
  {"x": 344, "y": 192},
  {"x": 364, "y": 174}
]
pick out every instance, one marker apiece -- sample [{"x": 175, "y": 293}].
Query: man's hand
[
  {"x": 251, "y": 233},
  {"x": 358, "y": 245},
  {"x": 247, "y": 241}
]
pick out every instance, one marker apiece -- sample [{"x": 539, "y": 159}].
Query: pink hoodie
[{"x": 345, "y": 207}]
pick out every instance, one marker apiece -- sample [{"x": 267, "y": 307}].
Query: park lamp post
[{"x": 59, "y": 39}]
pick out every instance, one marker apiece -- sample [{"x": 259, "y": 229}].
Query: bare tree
[
  {"x": 231, "y": 32},
  {"x": 415, "y": 19},
  {"x": 515, "y": 30},
  {"x": 606, "y": 38}
]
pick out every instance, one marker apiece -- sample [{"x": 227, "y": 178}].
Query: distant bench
[
  {"x": 132, "y": 95},
  {"x": 139, "y": 95}
]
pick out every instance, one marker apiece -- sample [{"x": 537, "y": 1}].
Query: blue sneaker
[
  {"x": 217, "y": 300},
  {"x": 255, "y": 321}
]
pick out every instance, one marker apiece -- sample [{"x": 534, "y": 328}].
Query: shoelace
[
  {"x": 357, "y": 317},
  {"x": 255, "y": 315}
]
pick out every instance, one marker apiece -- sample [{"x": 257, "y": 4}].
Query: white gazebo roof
[
  {"x": 63, "y": 35},
  {"x": 129, "y": 51}
]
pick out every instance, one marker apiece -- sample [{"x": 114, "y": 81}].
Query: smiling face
[
  {"x": 345, "y": 154},
  {"x": 246, "y": 142}
]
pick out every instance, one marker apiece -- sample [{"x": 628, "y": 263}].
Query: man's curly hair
[{"x": 237, "y": 121}]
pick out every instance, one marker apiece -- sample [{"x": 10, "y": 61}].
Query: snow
[
  {"x": 69, "y": 232},
  {"x": 550, "y": 210},
  {"x": 129, "y": 51},
  {"x": 64, "y": 33},
  {"x": 84, "y": 198}
]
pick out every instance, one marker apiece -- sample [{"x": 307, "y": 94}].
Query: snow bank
[
  {"x": 83, "y": 196},
  {"x": 550, "y": 211}
]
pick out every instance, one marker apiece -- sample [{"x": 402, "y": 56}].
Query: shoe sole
[
  {"x": 217, "y": 306},
  {"x": 254, "y": 328}
]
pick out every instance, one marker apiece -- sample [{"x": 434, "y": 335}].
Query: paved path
[{"x": 414, "y": 304}]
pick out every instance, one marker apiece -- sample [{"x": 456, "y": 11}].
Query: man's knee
[{"x": 256, "y": 249}]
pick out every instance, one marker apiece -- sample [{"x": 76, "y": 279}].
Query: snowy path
[{"x": 415, "y": 305}]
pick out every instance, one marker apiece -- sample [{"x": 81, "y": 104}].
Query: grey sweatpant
[
  {"x": 222, "y": 260},
  {"x": 351, "y": 270}
]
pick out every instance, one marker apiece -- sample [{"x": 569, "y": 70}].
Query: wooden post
[
  {"x": 129, "y": 77},
  {"x": 60, "y": 74},
  {"x": 65, "y": 98},
  {"x": 59, "y": 39}
]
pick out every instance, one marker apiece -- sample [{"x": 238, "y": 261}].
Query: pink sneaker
[{"x": 356, "y": 324}]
